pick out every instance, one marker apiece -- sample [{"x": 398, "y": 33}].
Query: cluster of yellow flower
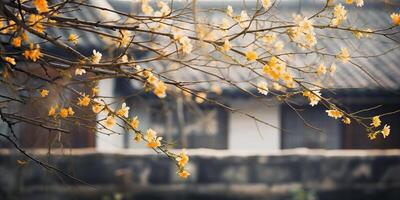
[
  {"x": 84, "y": 100},
  {"x": 10, "y": 60},
  {"x": 153, "y": 141},
  {"x": 251, "y": 55},
  {"x": 359, "y": 3},
  {"x": 123, "y": 111},
  {"x": 158, "y": 86},
  {"x": 343, "y": 55},
  {"x": 73, "y": 38},
  {"x": 395, "y": 18},
  {"x": 303, "y": 33},
  {"x": 16, "y": 41},
  {"x": 313, "y": 96},
  {"x": 96, "y": 57},
  {"x": 366, "y": 33},
  {"x": 227, "y": 45},
  {"x": 184, "y": 41},
  {"x": 276, "y": 69},
  {"x": 33, "y": 53},
  {"x": 146, "y": 7},
  {"x": 266, "y": 3},
  {"x": 262, "y": 87},
  {"x": 125, "y": 38},
  {"x": 63, "y": 112},
  {"x": 182, "y": 159},
  {"x": 339, "y": 15},
  {"x": 376, "y": 122},
  {"x": 35, "y": 21},
  {"x": 334, "y": 113},
  {"x": 66, "y": 112},
  {"x": 151, "y": 137},
  {"x": 44, "y": 92},
  {"x": 41, "y": 5}
]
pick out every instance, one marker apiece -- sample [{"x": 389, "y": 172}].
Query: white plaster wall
[
  {"x": 108, "y": 142},
  {"x": 247, "y": 134}
]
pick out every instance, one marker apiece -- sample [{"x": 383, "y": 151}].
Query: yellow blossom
[
  {"x": 146, "y": 7},
  {"x": 262, "y": 87},
  {"x": 251, "y": 55},
  {"x": 395, "y": 18},
  {"x": 160, "y": 89},
  {"x": 138, "y": 137},
  {"x": 321, "y": 70},
  {"x": 64, "y": 112},
  {"x": 165, "y": 9},
  {"x": 125, "y": 38},
  {"x": 287, "y": 77},
  {"x": 339, "y": 14},
  {"x": 183, "y": 174},
  {"x": 79, "y": 71},
  {"x": 349, "y": 1},
  {"x": 277, "y": 86},
  {"x": 225, "y": 25},
  {"x": 153, "y": 141},
  {"x": 334, "y": 113},
  {"x": 41, "y": 5},
  {"x": 274, "y": 68},
  {"x": 10, "y": 60},
  {"x": 16, "y": 41},
  {"x": 134, "y": 123},
  {"x": 182, "y": 158},
  {"x": 52, "y": 111},
  {"x": 33, "y": 52},
  {"x": 376, "y": 121},
  {"x": 123, "y": 111},
  {"x": 73, "y": 38},
  {"x": 269, "y": 38},
  {"x": 96, "y": 57},
  {"x": 229, "y": 11},
  {"x": 200, "y": 97},
  {"x": 44, "y": 92},
  {"x": 358, "y": 34},
  {"x": 84, "y": 101},
  {"x": 124, "y": 58},
  {"x": 266, "y": 3},
  {"x": 186, "y": 46},
  {"x": 242, "y": 19},
  {"x": 109, "y": 122},
  {"x": 313, "y": 96},
  {"x": 35, "y": 22},
  {"x": 152, "y": 79},
  {"x": 372, "y": 136},
  {"x": 344, "y": 55},
  {"x": 360, "y": 3},
  {"x": 70, "y": 111},
  {"x": 346, "y": 120},
  {"x": 227, "y": 45},
  {"x": 386, "y": 131},
  {"x": 95, "y": 91},
  {"x": 96, "y": 108},
  {"x": 216, "y": 89}
]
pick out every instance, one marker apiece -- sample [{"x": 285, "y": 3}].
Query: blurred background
[{"x": 301, "y": 154}]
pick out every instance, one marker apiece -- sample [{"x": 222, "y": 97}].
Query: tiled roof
[
  {"x": 385, "y": 69},
  {"x": 378, "y": 71}
]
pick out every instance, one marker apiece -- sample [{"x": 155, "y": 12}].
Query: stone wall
[{"x": 289, "y": 174}]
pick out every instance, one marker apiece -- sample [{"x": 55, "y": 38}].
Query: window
[
  {"x": 296, "y": 133},
  {"x": 191, "y": 125}
]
